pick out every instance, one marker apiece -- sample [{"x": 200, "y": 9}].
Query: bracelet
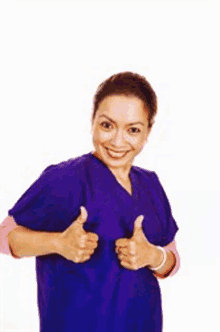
[{"x": 164, "y": 259}]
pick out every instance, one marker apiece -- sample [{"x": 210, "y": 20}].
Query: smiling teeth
[{"x": 116, "y": 154}]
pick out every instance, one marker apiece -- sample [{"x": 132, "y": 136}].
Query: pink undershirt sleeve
[{"x": 5, "y": 228}]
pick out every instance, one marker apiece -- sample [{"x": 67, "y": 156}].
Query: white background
[{"x": 53, "y": 56}]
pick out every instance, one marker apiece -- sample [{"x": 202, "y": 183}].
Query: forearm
[
  {"x": 167, "y": 267},
  {"x": 26, "y": 242}
]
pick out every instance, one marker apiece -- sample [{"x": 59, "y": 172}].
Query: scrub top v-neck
[
  {"x": 99, "y": 295},
  {"x": 133, "y": 195}
]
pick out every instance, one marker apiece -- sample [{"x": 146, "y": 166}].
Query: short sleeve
[
  {"x": 163, "y": 207},
  {"x": 50, "y": 203}
]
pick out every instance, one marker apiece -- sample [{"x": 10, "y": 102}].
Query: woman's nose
[{"x": 118, "y": 138}]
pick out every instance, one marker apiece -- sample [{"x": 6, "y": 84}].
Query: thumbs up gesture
[
  {"x": 75, "y": 243},
  {"x": 136, "y": 252}
]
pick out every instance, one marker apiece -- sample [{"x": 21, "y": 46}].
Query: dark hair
[{"x": 128, "y": 84}]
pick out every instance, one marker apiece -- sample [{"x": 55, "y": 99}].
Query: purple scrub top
[{"x": 99, "y": 295}]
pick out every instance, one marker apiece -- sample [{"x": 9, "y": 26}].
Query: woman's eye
[
  {"x": 107, "y": 125},
  {"x": 103, "y": 124},
  {"x": 135, "y": 132}
]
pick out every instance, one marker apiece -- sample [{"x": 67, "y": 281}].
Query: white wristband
[{"x": 164, "y": 259}]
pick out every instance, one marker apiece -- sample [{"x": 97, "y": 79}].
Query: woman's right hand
[{"x": 75, "y": 244}]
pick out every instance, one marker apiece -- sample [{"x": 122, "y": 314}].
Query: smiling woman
[
  {"x": 101, "y": 229},
  {"x": 117, "y": 141}
]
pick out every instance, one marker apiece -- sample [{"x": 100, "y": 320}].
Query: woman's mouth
[{"x": 115, "y": 154}]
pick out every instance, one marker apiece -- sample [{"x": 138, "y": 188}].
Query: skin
[
  {"x": 76, "y": 244},
  {"x": 136, "y": 252}
]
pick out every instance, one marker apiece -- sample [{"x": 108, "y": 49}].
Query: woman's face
[{"x": 120, "y": 130}]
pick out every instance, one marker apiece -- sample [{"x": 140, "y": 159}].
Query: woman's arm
[
  {"x": 170, "y": 247},
  {"x": 5, "y": 228},
  {"x": 19, "y": 241}
]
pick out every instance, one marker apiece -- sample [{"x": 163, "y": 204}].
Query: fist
[
  {"x": 136, "y": 252},
  {"x": 75, "y": 244}
]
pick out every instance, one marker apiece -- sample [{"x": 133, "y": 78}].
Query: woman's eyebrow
[{"x": 115, "y": 122}]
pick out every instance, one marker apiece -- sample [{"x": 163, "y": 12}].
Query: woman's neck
[{"x": 120, "y": 173}]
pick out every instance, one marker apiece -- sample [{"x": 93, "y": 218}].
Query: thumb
[
  {"x": 138, "y": 225},
  {"x": 83, "y": 215}
]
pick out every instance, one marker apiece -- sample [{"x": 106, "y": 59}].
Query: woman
[{"x": 101, "y": 229}]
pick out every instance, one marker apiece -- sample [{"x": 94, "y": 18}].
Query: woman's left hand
[{"x": 136, "y": 252}]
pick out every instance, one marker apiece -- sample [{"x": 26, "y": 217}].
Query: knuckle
[
  {"x": 82, "y": 244},
  {"x": 76, "y": 260},
  {"x": 86, "y": 258},
  {"x": 132, "y": 252},
  {"x": 80, "y": 253},
  {"x": 133, "y": 259},
  {"x": 93, "y": 236},
  {"x": 134, "y": 266},
  {"x": 132, "y": 245},
  {"x": 83, "y": 238}
]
